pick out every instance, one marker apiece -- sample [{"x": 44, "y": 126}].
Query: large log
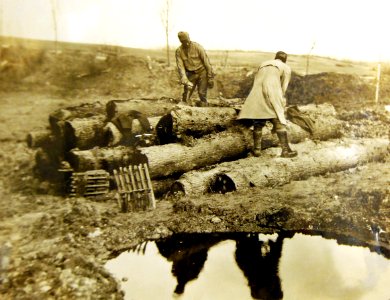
[
  {"x": 39, "y": 138},
  {"x": 112, "y": 135},
  {"x": 86, "y": 110},
  {"x": 86, "y": 133},
  {"x": 104, "y": 158},
  {"x": 196, "y": 121},
  {"x": 184, "y": 121},
  {"x": 271, "y": 170},
  {"x": 150, "y": 108},
  {"x": 175, "y": 158}
]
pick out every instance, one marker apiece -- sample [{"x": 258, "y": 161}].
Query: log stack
[{"x": 196, "y": 148}]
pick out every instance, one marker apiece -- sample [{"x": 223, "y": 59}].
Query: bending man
[
  {"x": 194, "y": 68},
  {"x": 266, "y": 102}
]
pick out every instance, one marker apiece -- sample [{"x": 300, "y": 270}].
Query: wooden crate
[{"x": 135, "y": 191}]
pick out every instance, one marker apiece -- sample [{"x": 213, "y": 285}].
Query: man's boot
[
  {"x": 286, "y": 150},
  {"x": 257, "y": 134}
]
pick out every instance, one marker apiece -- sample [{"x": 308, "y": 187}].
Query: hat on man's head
[
  {"x": 281, "y": 55},
  {"x": 183, "y": 36}
]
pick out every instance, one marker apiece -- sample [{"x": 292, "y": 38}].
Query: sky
[{"x": 344, "y": 29}]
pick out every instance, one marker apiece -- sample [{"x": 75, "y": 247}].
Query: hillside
[{"x": 104, "y": 72}]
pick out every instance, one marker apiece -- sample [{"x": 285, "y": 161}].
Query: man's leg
[
  {"x": 185, "y": 93},
  {"x": 281, "y": 131},
  {"x": 257, "y": 136},
  {"x": 194, "y": 79},
  {"x": 202, "y": 87}
]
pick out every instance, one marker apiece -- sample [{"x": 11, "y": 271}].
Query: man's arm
[
  {"x": 285, "y": 80},
  {"x": 206, "y": 62},
  {"x": 181, "y": 69}
]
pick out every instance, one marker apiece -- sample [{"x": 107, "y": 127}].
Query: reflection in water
[
  {"x": 188, "y": 256},
  {"x": 259, "y": 261},
  {"x": 252, "y": 266}
]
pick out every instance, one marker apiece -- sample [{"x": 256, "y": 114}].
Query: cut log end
[
  {"x": 177, "y": 189},
  {"x": 164, "y": 130},
  {"x": 222, "y": 184}
]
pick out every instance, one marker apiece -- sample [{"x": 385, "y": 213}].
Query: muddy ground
[{"x": 54, "y": 247}]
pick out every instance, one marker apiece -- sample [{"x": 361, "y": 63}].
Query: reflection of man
[
  {"x": 266, "y": 102},
  {"x": 259, "y": 262},
  {"x": 194, "y": 68},
  {"x": 188, "y": 256}
]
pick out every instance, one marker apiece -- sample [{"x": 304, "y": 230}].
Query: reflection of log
[
  {"x": 227, "y": 145},
  {"x": 270, "y": 170},
  {"x": 148, "y": 107},
  {"x": 39, "y": 138},
  {"x": 104, "y": 158}
]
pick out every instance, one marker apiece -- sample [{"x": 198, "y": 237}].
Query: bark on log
[
  {"x": 112, "y": 135},
  {"x": 169, "y": 159},
  {"x": 104, "y": 158},
  {"x": 186, "y": 121},
  {"x": 86, "y": 110},
  {"x": 91, "y": 132},
  {"x": 271, "y": 170},
  {"x": 175, "y": 158},
  {"x": 84, "y": 133},
  {"x": 39, "y": 138},
  {"x": 150, "y": 108},
  {"x": 197, "y": 121}
]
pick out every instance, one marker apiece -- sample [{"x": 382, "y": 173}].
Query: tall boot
[
  {"x": 286, "y": 150},
  {"x": 257, "y": 134}
]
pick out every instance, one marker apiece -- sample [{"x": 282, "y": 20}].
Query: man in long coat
[{"x": 266, "y": 102}]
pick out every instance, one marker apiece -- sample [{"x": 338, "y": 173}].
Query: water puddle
[{"x": 251, "y": 266}]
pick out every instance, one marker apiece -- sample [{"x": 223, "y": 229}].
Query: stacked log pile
[{"x": 197, "y": 150}]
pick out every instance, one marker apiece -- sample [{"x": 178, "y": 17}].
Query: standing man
[
  {"x": 266, "y": 102},
  {"x": 194, "y": 68}
]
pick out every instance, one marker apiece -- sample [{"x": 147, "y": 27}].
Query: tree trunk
[
  {"x": 186, "y": 121},
  {"x": 84, "y": 133},
  {"x": 86, "y": 110},
  {"x": 169, "y": 159},
  {"x": 150, "y": 108},
  {"x": 174, "y": 158},
  {"x": 198, "y": 121},
  {"x": 39, "y": 138},
  {"x": 91, "y": 132},
  {"x": 104, "y": 158},
  {"x": 271, "y": 170}
]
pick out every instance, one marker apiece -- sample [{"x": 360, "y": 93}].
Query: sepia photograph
[{"x": 194, "y": 150}]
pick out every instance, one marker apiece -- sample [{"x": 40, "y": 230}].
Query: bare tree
[
  {"x": 165, "y": 18},
  {"x": 54, "y": 9},
  {"x": 308, "y": 57}
]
